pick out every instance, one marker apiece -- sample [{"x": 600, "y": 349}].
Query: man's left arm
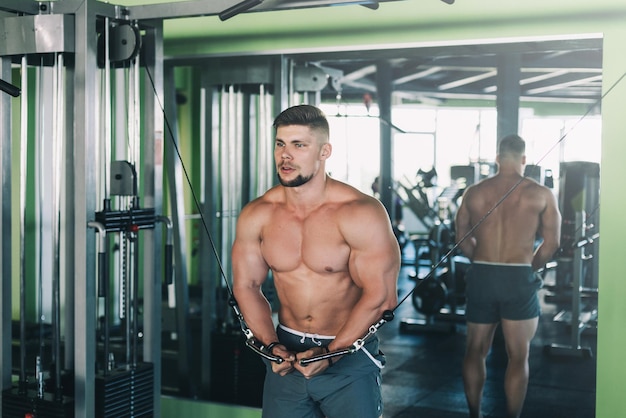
[
  {"x": 550, "y": 231},
  {"x": 374, "y": 267}
]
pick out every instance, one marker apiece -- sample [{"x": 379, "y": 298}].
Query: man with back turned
[
  {"x": 335, "y": 263},
  {"x": 501, "y": 286}
]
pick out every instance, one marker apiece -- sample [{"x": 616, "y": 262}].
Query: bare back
[{"x": 508, "y": 233}]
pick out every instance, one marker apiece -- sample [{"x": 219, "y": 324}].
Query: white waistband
[
  {"x": 306, "y": 334},
  {"x": 316, "y": 337},
  {"x": 491, "y": 263}
]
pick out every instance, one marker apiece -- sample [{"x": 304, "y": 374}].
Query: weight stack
[
  {"x": 16, "y": 405},
  {"x": 126, "y": 393}
]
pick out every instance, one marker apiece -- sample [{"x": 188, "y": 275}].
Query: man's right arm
[
  {"x": 463, "y": 223},
  {"x": 550, "y": 232},
  {"x": 249, "y": 273}
]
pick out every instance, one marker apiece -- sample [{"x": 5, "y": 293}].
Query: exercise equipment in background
[{"x": 579, "y": 317}]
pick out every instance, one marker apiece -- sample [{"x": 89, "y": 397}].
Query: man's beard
[{"x": 298, "y": 181}]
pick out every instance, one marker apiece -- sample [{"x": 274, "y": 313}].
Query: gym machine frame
[
  {"x": 69, "y": 26},
  {"x": 577, "y": 326}
]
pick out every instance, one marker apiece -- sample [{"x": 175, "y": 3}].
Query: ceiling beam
[
  {"x": 551, "y": 87},
  {"x": 417, "y": 75},
  {"x": 19, "y": 6},
  {"x": 468, "y": 80},
  {"x": 198, "y": 8}
]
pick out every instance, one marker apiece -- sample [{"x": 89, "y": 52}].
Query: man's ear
[{"x": 327, "y": 150}]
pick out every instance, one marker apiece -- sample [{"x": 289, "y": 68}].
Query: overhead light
[
  {"x": 244, "y": 6},
  {"x": 448, "y": 1}
]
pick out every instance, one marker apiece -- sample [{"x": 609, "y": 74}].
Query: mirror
[{"x": 444, "y": 128}]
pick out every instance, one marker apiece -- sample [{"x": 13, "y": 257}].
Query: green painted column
[{"x": 610, "y": 399}]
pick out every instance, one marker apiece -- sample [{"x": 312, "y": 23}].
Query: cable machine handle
[
  {"x": 169, "y": 250},
  {"x": 103, "y": 270},
  {"x": 388, "y": 316},
  {"x": 329, "y": 355},
  {"x": 262, "y": 351},
  {"x": 169, "y": 264},
  {"x": 102, "y": 273}
]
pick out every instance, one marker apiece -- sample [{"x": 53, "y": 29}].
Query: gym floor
[{"x": 422, "y": 377}]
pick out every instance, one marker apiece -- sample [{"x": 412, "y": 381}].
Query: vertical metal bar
[
  {"x": 153, "y": 197},
  {"x": 106, "y": 142},
  {"x": 84, "y": 186},
  {"x": 23, "y": 148},
  {"x": 69, "y": 210},
  {"x": 60, "y": 132},
  {"x": 577, "y": 273},
  {"x": 203, "y": 143},
  {"x": 223, "y": 173},
  {"x": 266, "y": 143},
  {"x": 207, "y": 274},
  {"x": 136, "y": 140},
  {"x": 232, "y": 182},
  {"x": 41, "y": 170},
  {"x": 384, "y": 89},
  {"x": 248, "y": 143},
  {"x": 127, "y": 277},
  {"x": 103, "y": 162},
  {"x": 508, "y": 93},
  {"x": 175, "y": 182},
  {"x": 5, "y": 230},
  {"x": 57, "y": 143},
  {"x": 134, "y": 283},
  {"x": 265, "y": 166}
]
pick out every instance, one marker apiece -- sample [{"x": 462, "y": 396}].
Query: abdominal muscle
[
  {"x": 309, "y": 259},
  {"x": 315, "y": 303}
]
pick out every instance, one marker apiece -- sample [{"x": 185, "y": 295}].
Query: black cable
[
  {"x": 193, "y": 193},
  {"x": 238, "y": 8},
  {"x": 10, "y": 88}
]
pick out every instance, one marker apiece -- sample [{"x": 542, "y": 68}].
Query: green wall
[{"x": 424, "y": 23}]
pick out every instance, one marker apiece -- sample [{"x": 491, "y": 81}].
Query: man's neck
[
  {"x": 510, "y": 170},
  {"x": 307, "y": 196}
]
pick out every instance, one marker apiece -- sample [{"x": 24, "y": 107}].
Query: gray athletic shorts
[
  {"x": 351, "y": 388},
  {"x": 495, "y": 291}
]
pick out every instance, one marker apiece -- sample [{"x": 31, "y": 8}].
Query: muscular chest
[{"x": 313, "y": 243}]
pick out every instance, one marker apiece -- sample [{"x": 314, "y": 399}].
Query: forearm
[
  {"x": 367, "y": 312},
  {"x": 543, "y": 254},
  {"x": 257, "y": 314}
]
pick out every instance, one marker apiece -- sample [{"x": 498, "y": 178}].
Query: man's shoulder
[
  {"x": 480, "y": 186},
  {"x": 535, "y": 187},
  {"x": 345, "y": 193},
  {"x": 264, "y": 203},
  {"x": 271, "y": 196}
]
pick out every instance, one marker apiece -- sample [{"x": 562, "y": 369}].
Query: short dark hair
[
  {"x": 512, "y": 145},
  {"x": 306, "y": 115}
]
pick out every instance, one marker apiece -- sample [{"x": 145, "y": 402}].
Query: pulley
[{"x": 124, "y": 44}]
